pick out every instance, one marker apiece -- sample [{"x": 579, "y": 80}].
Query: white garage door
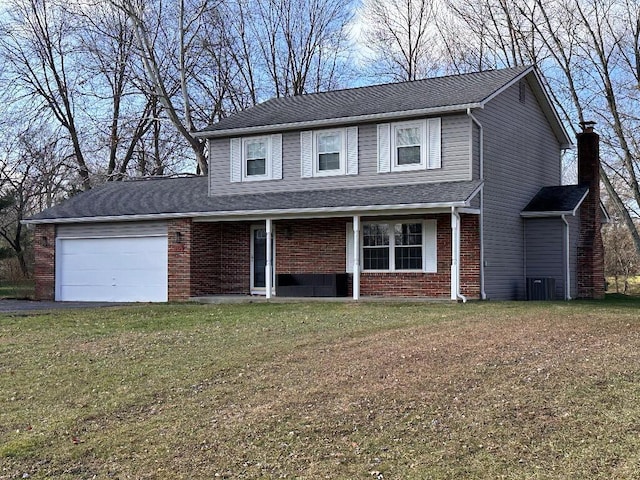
[{"x": 117, "y": 269}]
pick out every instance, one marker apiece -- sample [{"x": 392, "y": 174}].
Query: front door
[{"x": 259, "y": 259}]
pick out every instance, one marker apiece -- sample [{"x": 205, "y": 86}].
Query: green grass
[
  {"x": 394, "y": 391},
  {"x": 22, "y": 290}
]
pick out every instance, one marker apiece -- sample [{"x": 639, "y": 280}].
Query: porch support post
[
  {"x": 455, "y": 249},
  {"x": 269, "y": 266},
  {"x": 356, "y": 257}
]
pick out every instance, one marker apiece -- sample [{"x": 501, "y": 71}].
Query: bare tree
[
  {"x": 401, "y": 37},
  {"x": 146, "y": 20},
  {"x": 588, "y": 50}
]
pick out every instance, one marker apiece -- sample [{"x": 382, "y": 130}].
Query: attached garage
[{"x": 112, "y": 262}]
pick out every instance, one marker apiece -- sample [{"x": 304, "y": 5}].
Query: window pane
[
  {"x": 375, "y": 235},
  {"x": 256, "y": 149},
  {"x": 376, "y": 258},
  {"x": 408, "y": 258},
  {"x": 328, "y": 142},
  {"x": 329, "y": 161},
  {"x": 256, "y": 167},
  {"x": 408, "y": 155},
  {"x": 407, "y": 136},
  {"x": 408, "y": 234}
]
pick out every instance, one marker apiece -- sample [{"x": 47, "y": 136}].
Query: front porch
[{"x": 239, "y": 261}]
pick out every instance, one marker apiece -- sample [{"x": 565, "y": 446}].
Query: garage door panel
[{"x": 112, "y": 269}]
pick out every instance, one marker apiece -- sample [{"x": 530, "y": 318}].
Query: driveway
[{"x": 18, "y": 306}]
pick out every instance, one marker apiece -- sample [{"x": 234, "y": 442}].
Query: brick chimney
[{"x": 590, "y": 268}]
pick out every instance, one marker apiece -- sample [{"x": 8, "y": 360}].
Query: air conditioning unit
[{"x": 541, "y": 288}]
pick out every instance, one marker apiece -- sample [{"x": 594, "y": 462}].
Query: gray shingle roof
[
  {"x": 184, "y": 196},
  {"x": 558, "y": 200},
  {"x": 430, "y": 93}
]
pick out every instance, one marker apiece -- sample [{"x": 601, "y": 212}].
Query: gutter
[
  {"x": 455, "y": 257},
  {"x": 567, "y": 262},
  {"x": 483, "y": 294},
  {"x": 235, "y": 214}
]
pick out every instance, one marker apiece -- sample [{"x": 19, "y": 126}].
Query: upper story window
[
  {"x": 409, "y": 145},
  {"x": 329, "y": 156},
  {"x": 329, "y": 152},
  {"x": 256, "y": 158},
  {"x": 413, "y": 145}
]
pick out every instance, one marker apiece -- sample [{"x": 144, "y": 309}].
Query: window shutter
[
  {"x": 306, "y": 154},
  {"x": 276, "y": 157},
  {"x": 235, "y": 150},
  {"x": 434, "y": 159},
  {"x": 349, "y": 256},
  {"x": 430, "y": 254},
  {"x": 384, "y": 148},
  {"x": 352, "y": 151}
]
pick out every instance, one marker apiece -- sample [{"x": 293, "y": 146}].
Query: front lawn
[{"x": 323, "y": 390}]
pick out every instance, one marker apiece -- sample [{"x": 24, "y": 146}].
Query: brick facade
[
  {"x": 590, "y": 268},
  {"x": 45, "y": 262},
  {"x": 179, "y": 259},
  {"x": 215, "y": 258}
]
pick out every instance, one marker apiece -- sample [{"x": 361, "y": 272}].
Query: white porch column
[
  {"x": 455, "y": 256},
  {"x": 356, "y": 257},
  {"x": 269, "y": 267}
]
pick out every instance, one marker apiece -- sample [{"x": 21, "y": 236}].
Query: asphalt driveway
[{"x": 19, "y": 306}]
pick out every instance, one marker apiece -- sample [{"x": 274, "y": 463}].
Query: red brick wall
[
  {"x": 44, "y": 273},
  {"x": 179, "y": 262},
  {"x": 311, "y": 246},
  {"x": 221, "y": 262},
  {"x": 470, "y": 256},
  {"x": 220, "y": 258}
]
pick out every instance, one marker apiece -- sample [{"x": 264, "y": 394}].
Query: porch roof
[
  {"x": 188, "y": 197},
  {"x": 556, "y": 201}
]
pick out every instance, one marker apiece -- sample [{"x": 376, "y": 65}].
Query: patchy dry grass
[
  {"x": 22, "y": 290},
  {"x": 393, "y": 391}
]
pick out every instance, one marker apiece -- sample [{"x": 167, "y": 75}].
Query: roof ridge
[{"x": 520, "y": 68}]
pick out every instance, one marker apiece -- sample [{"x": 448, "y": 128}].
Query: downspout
[
  {"x": 567, "y": 261},
  {"x": 455, "y": 257},
  {"x": 483, "y": 294}
]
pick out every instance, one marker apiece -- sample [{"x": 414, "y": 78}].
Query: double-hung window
[
  {"x": 410, "y": 145},
  {"x": 255, "y": 157},
  {"x": 394, "y": 246},
  {"x": 325, "y": 153},
  {"x": 329, "y": 153}
]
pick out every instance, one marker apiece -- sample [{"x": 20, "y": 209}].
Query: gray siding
[
  {"x": 521, "y": 154},
  {"x": 123, "y": 229},
  {"x": 545, "y": 251},
  {"x": 455, "y": 164}
]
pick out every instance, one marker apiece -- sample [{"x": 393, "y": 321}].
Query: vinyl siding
[
  {"x": 545, "y": 251},
  {"x": 521, "y": 154},
  {"x": 123, "y": 229},
  {"x": 574, "y": 240},
  {"x": 455, "y": 164}
]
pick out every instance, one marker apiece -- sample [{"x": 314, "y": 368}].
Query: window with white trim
[
  {"x": 411, "y": 145},
  {"x": 256, "y": 158},
  {"x": 398, "y": 246},
  {"x": 329, "y": 153}
]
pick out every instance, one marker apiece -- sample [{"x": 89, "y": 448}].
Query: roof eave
[
  {"x": 330, "y": 122},
  {"x": 272, "y": 213},
  {"x": 555, "y": 213}
]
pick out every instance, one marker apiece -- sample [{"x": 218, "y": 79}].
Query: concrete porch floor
[{"x": 219, "y": 299}]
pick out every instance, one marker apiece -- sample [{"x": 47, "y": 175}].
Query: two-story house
[{"x": 431, "y": 188}]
